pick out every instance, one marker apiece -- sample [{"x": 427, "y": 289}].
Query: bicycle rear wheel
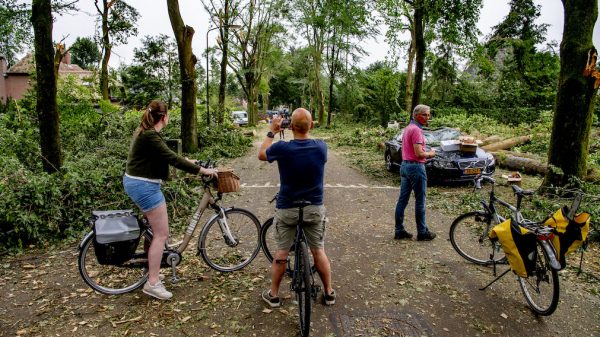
[
  {"x": 223, "y": 254},
  {"x": 110, "y": 279},
  {"x": 267, "y": 239},
  {"x": 303, "y": 288},
  {"x": 541, "y": 290},
  {"x": 469, "y": 237}
]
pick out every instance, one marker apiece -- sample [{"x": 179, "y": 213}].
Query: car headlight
[{"x": 444, "y": 164}]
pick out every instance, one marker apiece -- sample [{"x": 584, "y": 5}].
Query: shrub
[{"x": 37, "y": 207}]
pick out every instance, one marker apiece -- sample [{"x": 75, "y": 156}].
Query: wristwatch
[{"x": 270, "y": 134}]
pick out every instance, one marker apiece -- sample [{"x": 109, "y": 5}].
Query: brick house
[{"x": 14, "y": 81}]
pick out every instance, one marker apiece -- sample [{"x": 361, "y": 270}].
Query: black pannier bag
[{"x": 117, "y": 236}]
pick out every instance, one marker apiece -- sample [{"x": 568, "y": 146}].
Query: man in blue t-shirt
[{"x": 301, "y": 164}]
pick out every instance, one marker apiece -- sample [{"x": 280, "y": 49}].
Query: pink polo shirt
[{"x": 413, "y": 134}]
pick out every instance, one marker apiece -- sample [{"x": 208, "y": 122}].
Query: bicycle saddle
[
  {"x": 302, "y": 203},
  {"x": 520, "y": 191}
]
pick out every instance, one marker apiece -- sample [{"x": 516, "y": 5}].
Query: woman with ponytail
[{"x": 147, "y": 167}]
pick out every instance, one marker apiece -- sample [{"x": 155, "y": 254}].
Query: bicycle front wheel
[
  {"x": 230, "y": 243},
  {"x": 114, "y": 279},
  {"x": 469, "y": 237},
  {"x": 303, "y": 288},
  {"x": 541, "y": 289}
]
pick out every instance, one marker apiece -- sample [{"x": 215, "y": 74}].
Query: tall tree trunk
[
  {"x": 187, "y": 63},
  {"x": 265, "y": 99},
  {"x": 409, "y": 74},
  {"x": 569, "y": 143},
  {"x": 251, "y": 103},
  {"x": 223, "y": 83},
  {"x": 319, "y": 99},
  {"x": 420, "y": 54},
  {"x": 331, "y": 82},
  {"x": 331, "y": 79},
  {"x": 46, "y": 108},
  {"x": 106, "y": 48}
]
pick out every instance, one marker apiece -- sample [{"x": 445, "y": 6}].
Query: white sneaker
[{"x": 157, "y": 291}]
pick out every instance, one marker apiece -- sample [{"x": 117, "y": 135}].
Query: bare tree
[
  {"x": 252, "y": 45},
  {"x": 223, "y": 14},
  {"x": 47, "y": 72},
  {"x": 117, "y": 20},
  {"x": 187, "y": 67}
]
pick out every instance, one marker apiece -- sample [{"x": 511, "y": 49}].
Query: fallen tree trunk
[
  {"x": 490, "y": 140},
  {"x": 507, "y": 143},
  {"x": 521, "y": 164},
  {"x": 525, "y": 163},
  {"x": 516, "y": 154}
]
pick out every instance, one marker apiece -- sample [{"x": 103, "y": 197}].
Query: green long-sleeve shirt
[{"x": 150, "y": 157}]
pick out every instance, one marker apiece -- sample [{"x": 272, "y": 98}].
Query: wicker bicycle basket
[{"x": 227, "y": 181}]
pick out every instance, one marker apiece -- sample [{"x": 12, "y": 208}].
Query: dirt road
[{"x": 385, "y": 287}]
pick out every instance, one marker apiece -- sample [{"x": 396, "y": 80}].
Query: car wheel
[{"x": 388, "y": 162}]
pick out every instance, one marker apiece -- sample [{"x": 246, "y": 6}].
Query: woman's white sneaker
[{"x": 157, "y": 291}]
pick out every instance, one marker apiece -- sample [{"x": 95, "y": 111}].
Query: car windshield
[
  {"x": 239, "y": 115},
  {"x": 435, "y": 137}
]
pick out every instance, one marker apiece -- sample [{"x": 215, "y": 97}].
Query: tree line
[{"x": 305, "y": 53}]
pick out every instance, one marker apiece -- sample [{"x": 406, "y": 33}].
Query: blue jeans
[{"x": 414, "y": 178}]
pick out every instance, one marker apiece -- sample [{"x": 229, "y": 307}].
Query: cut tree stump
[{"x": 507, "y": 143}]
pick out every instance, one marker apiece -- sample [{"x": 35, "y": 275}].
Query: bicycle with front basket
[
  {"x": 228, "y": 241},
  {"x": 301, "y": 270}
]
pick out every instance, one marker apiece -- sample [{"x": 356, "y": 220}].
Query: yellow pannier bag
[
  {"x": 518, "y": 244},
  {"x": 569, "y": 235}
]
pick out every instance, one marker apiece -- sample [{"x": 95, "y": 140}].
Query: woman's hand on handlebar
[{"x": 208, "y": 172}]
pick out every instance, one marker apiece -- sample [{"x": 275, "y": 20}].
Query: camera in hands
[{"x": 285, "y": 123}]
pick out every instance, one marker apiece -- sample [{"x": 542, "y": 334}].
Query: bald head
[{"x": 301, "y": 120}]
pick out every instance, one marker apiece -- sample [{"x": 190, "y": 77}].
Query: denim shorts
[{"x": 146, "y": 195}]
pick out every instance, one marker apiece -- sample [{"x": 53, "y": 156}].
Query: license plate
[{"x": 472, "y": 171}]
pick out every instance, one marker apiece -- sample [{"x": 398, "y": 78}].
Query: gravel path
[{"x": 385, "y": 287}]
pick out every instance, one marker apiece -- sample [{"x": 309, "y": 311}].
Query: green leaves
[
  {"x": 16, "y": 33},
  {"x": 40, "y": 207},
  {"x": 85, "y": 53}
]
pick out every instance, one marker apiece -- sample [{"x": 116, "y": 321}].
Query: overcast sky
[{"x": 154, "y": 20}]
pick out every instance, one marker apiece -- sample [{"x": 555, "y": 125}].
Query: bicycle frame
[
  {"x": 172, "y": 252},
  {"x": 207, "y": 201},
  {"x": 490, "y": 206},
  {"x": 300, "y": 237}
]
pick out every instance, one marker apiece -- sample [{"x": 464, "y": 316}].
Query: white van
[{"x": 239, "y": 117}]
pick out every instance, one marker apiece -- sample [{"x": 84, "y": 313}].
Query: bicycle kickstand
[
  {"x": 496, "y": 279},
  {"x": 173, "y": 261}
]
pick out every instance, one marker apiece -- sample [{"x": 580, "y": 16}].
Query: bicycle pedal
[{"x": 314, "y": 291}]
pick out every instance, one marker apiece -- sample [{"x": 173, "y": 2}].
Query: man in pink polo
[{"x": 413, "y": 175}]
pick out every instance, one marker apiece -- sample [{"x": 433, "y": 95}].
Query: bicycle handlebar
[
  {"x": 209, "y": 164},
  {"x": 477, "y": 181}
]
